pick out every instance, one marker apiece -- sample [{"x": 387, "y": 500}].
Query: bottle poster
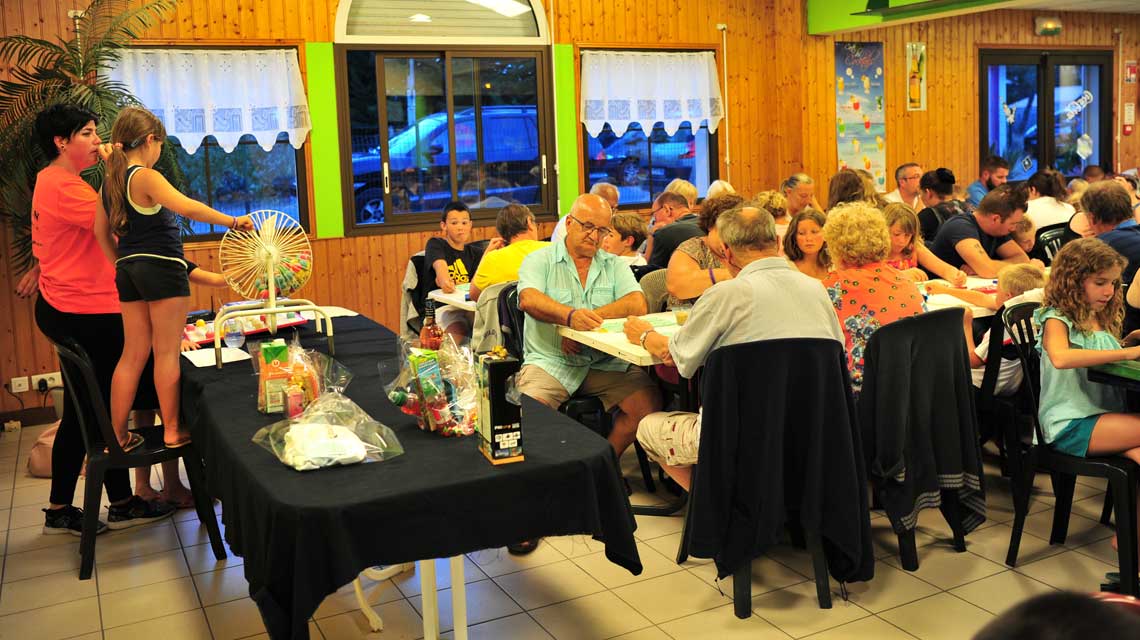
[
  {"x": 861, "y": 131},
  {"x": 916, "y": 76}
]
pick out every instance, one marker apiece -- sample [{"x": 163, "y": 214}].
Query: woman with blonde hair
[
  {"x": 866, "y": 292},
  {"x": 909, "y": 253},
  {"x": 683, "y": 188},
  {"x": 719, "y": 188},
  {"x": 776, "y": 204}
]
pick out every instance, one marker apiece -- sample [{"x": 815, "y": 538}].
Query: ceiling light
[
  {"x": 419, "y": 17},
  {"x": 508, "y": 8}
]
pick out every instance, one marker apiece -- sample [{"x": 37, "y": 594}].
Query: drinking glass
[{"x": 234, "y": 336}]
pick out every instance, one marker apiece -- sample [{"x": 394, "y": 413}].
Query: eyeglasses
[{"x": 590, "y": 227}]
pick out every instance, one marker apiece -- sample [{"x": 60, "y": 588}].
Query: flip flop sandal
[
  {"x": 178, "y": 443},
  {"x": 188, "y": 503},
  {"x": 134, "y": 441}
]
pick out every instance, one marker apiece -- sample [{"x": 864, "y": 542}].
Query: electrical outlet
[
  {"x": 51, "y": 380},
  {"x": 18, "y": 385}
]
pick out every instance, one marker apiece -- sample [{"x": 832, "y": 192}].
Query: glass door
[{"x": 1046, "y": 109}]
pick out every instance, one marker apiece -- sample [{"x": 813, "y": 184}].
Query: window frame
[
  {"x": 305, "y": 208},
  {"x": 1046, "y": 61},
  {"x": 429, "y": 221}
]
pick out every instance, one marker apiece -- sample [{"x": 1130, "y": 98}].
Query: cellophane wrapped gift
[
  {"x": 437, "y": 387},
  {"x": 333, "y": 430}
]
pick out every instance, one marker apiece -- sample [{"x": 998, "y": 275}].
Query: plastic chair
[
  {"x": 656, "y": 295},
  {"x": 104, "y": 453},
  {"x": 1120, "y": 472},
  {"x": 1050, "y": 239}
]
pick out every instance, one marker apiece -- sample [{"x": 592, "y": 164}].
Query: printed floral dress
[{"x": 867, "y": 298}]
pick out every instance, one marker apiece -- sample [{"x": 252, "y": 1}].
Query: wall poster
[
  {"x": 916, "y": 76},
  {"x": 859, "y": 108}
]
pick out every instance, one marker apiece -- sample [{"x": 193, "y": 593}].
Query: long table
[
  {"x": 610, "y": 338},
  {"x": 305, "y": 534},
  {"x": 458, "y": 298}
]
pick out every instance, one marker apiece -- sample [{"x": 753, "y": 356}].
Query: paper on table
[
  {"x": 333, "y": 312},
  {"x": 617, "y": 325},
  {"x": 204, "y": 357}
]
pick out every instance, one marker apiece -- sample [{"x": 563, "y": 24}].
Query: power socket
[
  {"x": 18, "y": 385},
  {"x": 48, "y": 380}
]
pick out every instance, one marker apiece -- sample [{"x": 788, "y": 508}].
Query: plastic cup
[{"x": 681, "y": 313}]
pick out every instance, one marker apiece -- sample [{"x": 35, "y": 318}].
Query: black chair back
[
  {"x": 424, "y": 284},
  {"x": 86, "y": 399},
  {"x": 993, "y": 364},
  {"x": 1050, "y": 239},
  {"x": 642, "y": 270},
  {"x": 511, "y": 320},
  {"x": 1018, "y": 320}
]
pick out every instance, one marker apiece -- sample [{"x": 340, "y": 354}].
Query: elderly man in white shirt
[
  {"x": 907, "y": 177},
  {"x": 767, "y": 298}
]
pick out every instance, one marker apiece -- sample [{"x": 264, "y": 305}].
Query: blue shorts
[{"x": 1074, "y": 439}]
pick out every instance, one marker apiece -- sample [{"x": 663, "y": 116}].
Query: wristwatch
[{"x": 644, "y": 335}]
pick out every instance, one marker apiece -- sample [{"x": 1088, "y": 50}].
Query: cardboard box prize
[{"x": 500, "y": 422}]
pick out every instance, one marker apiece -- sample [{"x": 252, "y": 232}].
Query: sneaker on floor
[
  {"x": 67, "y": 520},
  {"x": 137, "y": 511}
]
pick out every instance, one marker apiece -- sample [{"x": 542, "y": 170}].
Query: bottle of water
[{"x": 234, "y": 335}]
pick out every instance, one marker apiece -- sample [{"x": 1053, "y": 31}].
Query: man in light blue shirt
[
  {"x": 573, "y": 283},
  {"x": 767, "y": 298},
  {"x": 995, "y": 172}
]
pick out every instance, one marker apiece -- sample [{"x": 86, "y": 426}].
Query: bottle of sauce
[{"x": 431, "y": 335}]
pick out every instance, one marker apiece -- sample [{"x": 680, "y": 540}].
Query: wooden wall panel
[{"x": 946, "y": 134}]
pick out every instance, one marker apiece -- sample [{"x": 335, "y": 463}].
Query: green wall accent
[
  {"x": 830, "y": 16},
  {"x": 566, "y": 127},
  {"x": 324, "y": 139}
]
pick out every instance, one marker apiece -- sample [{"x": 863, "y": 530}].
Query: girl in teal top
[{"x": 1079, "y": 323}]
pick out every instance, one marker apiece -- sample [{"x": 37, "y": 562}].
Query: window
[
  {"x": 244, "y": 180},
  {"x": 1045, "y": 109},
  {"x": 237, "y": 119},
  {"x": 428, "y": 127},
  {"x": 641, "y": 167},
  {"x": 649, "y": 117}
]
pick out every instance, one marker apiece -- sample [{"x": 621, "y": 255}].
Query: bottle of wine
[{"x": 431, "y": 335}]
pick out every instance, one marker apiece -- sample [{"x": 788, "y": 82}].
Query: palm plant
[{"x": 71, "y": 71}]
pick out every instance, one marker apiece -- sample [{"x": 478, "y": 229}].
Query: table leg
[
  {"x": 458, "y": 598},
  {"x": 431, "y": 599}
]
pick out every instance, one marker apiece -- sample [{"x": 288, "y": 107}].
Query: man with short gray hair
[
  {"x": 767, "y": 298},
  {"x": 907, "y": 177}
]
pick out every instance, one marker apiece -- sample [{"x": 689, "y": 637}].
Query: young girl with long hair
[
  {"x": 804, "y": 245},
  {"x": 1080, "y": 322},
  {"x": 909, "y": 252},
  {"x": 150, "y": 271}
]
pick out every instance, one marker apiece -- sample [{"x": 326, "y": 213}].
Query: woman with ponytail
[
  {"x": 150, "y": 271},
  {"x": 936, "y": 188}
]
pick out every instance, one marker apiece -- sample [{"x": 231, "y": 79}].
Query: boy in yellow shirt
[{"x": 501, "y": 261}]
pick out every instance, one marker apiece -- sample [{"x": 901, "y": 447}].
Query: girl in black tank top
[{"x": 150, "y": 270}]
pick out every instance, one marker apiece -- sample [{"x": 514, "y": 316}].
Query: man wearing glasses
[
  {"x": 907, "y": 177},
  {"x": 573, "y": 284},
  {"x": 674, "y": 224}
]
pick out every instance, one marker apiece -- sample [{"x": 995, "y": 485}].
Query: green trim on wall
[
  {"x": 566, "y": 127},
  {"x": 324, "y": 140},
  {"x": 830, "y": 16}
]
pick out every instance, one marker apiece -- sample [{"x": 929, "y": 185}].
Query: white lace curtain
[
  {"x": 221, "y": 93},
  {"x": 620, "y": 87}
]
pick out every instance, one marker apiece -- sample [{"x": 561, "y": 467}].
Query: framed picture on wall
[{"x": 916, "y": 76}]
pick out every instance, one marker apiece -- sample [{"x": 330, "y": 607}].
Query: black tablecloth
[{"x": 305, "y": 534}]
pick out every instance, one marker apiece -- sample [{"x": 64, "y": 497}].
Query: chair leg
[
  {"x": 951, "y": 509},
  {"x": 646, "y": 470},
  {"x": 908, "y": 552},
  {"x": 819, "y": 566},
  {"x": 203, "y": 503},
  {"x": 1063, "y": 485},
  {"x": 1106, "y": 511},
  {"x": 1124, "y": 492},
  {"x": 1021, "y": 485},
  {"x": 796, "y": 533},
  {"x": 92, "y": 492},
  {"x": 742, "y": 590},
  {"x": 686, "y": 533}
]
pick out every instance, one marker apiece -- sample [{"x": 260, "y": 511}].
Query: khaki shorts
[
  {"x": 672, "y": 437},
  {"x": 611, "y": 387}
]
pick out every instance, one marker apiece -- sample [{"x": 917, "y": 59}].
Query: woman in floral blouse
[{"x": 867, "y": 293}]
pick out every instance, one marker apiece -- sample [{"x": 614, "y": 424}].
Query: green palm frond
[{"x": 71, "y": 71}]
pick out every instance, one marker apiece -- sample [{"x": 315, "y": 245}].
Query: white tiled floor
[{"x": 163, "y": 581}]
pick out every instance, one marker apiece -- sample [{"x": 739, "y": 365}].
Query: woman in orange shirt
[{"x": 78, "y": 303}]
